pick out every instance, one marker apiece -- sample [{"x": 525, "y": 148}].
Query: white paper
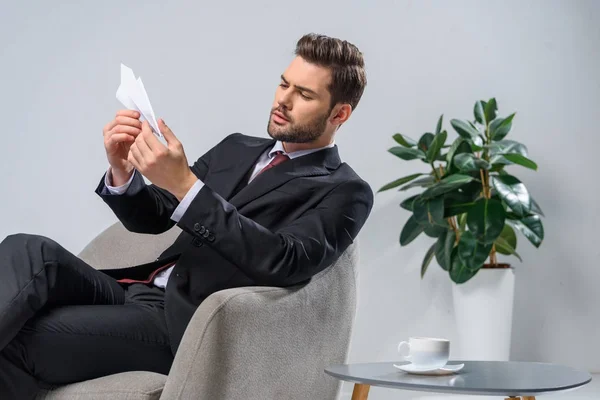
[{"x": 132, "y": 94}]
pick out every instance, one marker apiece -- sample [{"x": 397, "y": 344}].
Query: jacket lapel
[
  {"x": 229, "y": 175},
  {"x": 315, "y": 164}
]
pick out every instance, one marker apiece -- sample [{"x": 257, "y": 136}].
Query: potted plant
[{"x": 470, "y": 205}]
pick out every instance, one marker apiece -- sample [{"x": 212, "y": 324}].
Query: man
[{"x": 253, "y": 211}]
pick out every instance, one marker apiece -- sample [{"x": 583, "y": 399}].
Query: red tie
[
  {"x": 150, "y": 278},
  {"x": 278, "y": 159}
]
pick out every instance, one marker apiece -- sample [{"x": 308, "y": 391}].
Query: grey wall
[{"x": 211, "y": 69}]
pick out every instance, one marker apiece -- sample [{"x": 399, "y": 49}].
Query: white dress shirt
[{"x": 163, "y": 277}]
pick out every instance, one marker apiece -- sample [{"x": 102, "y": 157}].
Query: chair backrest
[{"x": 116, "y": 247}]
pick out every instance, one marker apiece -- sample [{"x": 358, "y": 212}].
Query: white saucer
[{"x": 445, "y": 370}]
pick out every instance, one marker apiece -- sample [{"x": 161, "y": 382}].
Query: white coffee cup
[{"x": 426, "y": 353}]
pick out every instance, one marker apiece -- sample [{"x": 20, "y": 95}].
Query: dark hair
[{"x": 348, "y": 77}]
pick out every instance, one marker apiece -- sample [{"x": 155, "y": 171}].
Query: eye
[
  {"x": 283, "y": 85},
  {"x": 305, "y": 96}
]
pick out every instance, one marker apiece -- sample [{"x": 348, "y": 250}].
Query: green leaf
[
  {"x": 512, "y": 216},
  {"x": 513, "y": 192},
  {"x": 427, "y": 260},
  {"x": 446, "y": 185},
  {"x": 507, "y": 147},
  {"x": 459, "y": 272},
  {"x": 399, "y": 182},
  {"x": 458, "y": 202},
  {"x": 436, "y": 145},
  {"x": 510, "y": 238},
  {"x": 460, "y": 195},
  {"x": 490, "y": 109},
  {"x": 457, "y": 208},
  {"x": 469, "y": 162},
  {"x": 498, "y": 162},
  {"x": 434, "y": 231},
  {"x": 507, "y": 242},
  {"x": 500, "y": 127},
  {"x": 443, "y": 249},
  {"x": 476, "y": 143},
  {"x": 411, "y": 230},
  {"x": 425, "y": 141},
  {"x": 459, "y": 146},
  {"x": 406, "y": 153},
  {"x": 474, "y": 188},
  {"x": 531, "y": 227},
  {"x": 521, "y": 160},
  {"x": 404, "y": 140},
  {"x": 486, "y": 220},
  {"x": 429, "y": 211},
  {"x": 471, "y": 252},
  {"x": 535, "y": 208},
  {"x": 478, "y": 112},
  {"x": 464, "y": 129},
  {"x": 426, "y": 181},
  {"x": 507, "y": 249},
  {"x": 407, "y": 204},
  {"x": 497, "y": 168},
  {"x": 438, "y": 129}
]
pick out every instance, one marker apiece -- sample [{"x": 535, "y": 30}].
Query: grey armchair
[{"x": 245, "y": 343}]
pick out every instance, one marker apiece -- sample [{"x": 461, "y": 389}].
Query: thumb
[{"x": 167, "y": 132}]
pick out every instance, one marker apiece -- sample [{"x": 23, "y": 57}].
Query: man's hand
[
  {"x": 166, "y": 167},
  {"x": 119, "y": 135}
]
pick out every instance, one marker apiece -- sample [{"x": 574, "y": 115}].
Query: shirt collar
[{"x": 295, "y": 154}]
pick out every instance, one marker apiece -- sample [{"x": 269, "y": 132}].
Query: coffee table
[{"x": 500, "y": 378}]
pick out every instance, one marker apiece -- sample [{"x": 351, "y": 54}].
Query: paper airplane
[{"x": 132, "y": 94}]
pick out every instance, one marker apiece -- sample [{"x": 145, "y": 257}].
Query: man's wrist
[
  {"x": 186, "y": 186},
  {"x": 119, "y": 177}
]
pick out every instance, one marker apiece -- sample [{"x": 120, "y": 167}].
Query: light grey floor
[{"x": 588, "y": 392}]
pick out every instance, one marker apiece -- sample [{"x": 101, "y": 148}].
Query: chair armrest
[{"x": 264, "y": 343}]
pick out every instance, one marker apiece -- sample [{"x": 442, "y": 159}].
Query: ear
[{"x": 341, "y": 113}]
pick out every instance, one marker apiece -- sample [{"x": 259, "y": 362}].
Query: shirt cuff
[
  {"x": 187, "y": 200},
  {"x": 116, "y": 189}
]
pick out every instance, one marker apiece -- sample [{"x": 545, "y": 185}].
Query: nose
[{"x": 284, "y": 98}]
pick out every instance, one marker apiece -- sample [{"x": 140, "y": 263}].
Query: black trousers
[{"x": 62, "y": 321}]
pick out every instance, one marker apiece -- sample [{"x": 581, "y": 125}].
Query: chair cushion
[{"x": 125, "y": 386}]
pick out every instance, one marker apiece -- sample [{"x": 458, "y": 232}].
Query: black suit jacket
[{"x": 288, "y": 224}]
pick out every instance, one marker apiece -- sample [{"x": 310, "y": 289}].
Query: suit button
[
  {"x": 202, "y": 230},
  {"x": 206, "y": 234},
  {"x": 197, "y": 227},
  {"x": 211, "y": 237},
  {"x": 197, "y": 242}
]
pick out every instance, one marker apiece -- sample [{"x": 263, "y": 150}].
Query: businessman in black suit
[{"x": 253, "y": 211}]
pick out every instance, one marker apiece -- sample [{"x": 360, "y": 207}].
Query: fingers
[
  {"x": 152, "y": 141},
  {"x": 165, "y": 130},
  {"x": 109, "y": 126},
  {"x": 128, "y": 113},
  {"x": 122, "y": 120},
  {"x": 120, "y": 138},
  {"x": 135, "y": 157},
  {"x": 142, "y": 144},
  {"x": 123, "y": 124},
  {"x": 170, "y": 137},
  {"x": 133, "y": 131}
]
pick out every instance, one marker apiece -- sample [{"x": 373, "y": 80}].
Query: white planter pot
[{"x": 483, "y": 309}]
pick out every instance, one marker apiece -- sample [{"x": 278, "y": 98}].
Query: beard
[{"x": 297, "y": 133}]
